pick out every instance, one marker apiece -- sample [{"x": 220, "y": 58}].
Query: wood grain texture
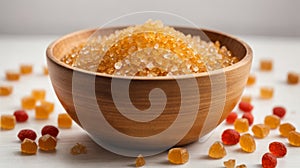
[{"x": 235, "y": 76}]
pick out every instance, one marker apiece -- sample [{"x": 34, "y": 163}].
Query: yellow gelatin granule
[
  {"x": 38, "y": 94},
  {"x": 26, "y": 69},
  {"x": 266, "y": 92},
  {"x": 47, "y": 143},
  {"x": 7, "y": 122},
  {"x": 292, "y": 78},
  {"x": 285, "y": 129},
  {"x": 251, "y": 80},
  {"x": 272, "y": 121},
  {"x": 266, "y": 65},
  {"x": 229, "y": 163},
  {"x": 28, "y": 102},
  {"x": 140, "y": 161},
  {"x": 78, "y": 149},
  {"x": 241, "y": 125},
  {"x": 260, "y": 130},
  {"x": 12, "y": 75},
  {"x": 28, "y": 146},
  {"x": 247, "y": 143},
  {"x": 5, "y": 90},
  {"x": 217, "y": 150},
  {"x": 178, "y": 155},
  {"x": 150, "y": 49},
  {"x": 41, "y": 112},
  {"x": 294, "y": 138},
  {"x": 64, "y": 121}
]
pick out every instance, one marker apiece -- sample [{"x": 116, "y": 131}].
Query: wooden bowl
[{"x": 217, "y": 93}]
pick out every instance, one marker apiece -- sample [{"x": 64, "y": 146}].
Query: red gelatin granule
[
  {"x": 51, "y": 130},
  {"x": 279, "y": 111},
  {"x": 245, "y": 107},
  {"x": 249, "y": 117},
  {"x": 21, "y": 115},
  {"x": 278, "y": 149},
  {"x": 231, "y": 118},
  {"x": 27, "y": 133},
  {"x": 269, "y": 161},
  {"x": 230, "y": 137}
]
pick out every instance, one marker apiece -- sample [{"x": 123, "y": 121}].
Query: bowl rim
[{"x": 248, "y": 57}]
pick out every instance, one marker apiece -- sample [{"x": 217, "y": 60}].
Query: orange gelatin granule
[
  {"x": 38, "y": 94},
  {"x": 241, "y": 125},
  {"x": 140, "y": 161},
  {"x": 285, "y": 129},
  {"x": 26, "y": 69},
  {"x": 266, "y": 92},
  {"x": 241, "y": 166},
  {"x": 229, "y": 163},
  {"x": 41, "y": 112},
  {"x": 294, "y": 138},
  {"x": 28, "y": 102},
  {"x": 217, "y": 150},
  {"x": 8, "y": 122},
  {"x": 247, "y": 143},
  {"x": 64, "y": 121},
  {"x": 28, "y": 146},
  {"x": 47, "y": 143},
  {"x": 48, "y": 105},
  {"x": 292, "y": 78},
  {"x": 178, "y": 155},
  {"x": 251, "y": 80},
  {"x": 272, "y": 121},
  {"x": 6, "y": 90},
  {"x": 12, "y": 76},
  {"x": 78, "y": 149},
  {"x": 266, "y": 65},
  {"x": 246, "y": 98},
  {"x": 260, "y": 130}
]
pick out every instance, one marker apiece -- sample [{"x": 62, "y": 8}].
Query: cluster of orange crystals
[{"x": 150, "y": 49}]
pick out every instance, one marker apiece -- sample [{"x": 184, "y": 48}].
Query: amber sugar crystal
[
  {"x": 78, "y": 149},
  {"x": 28, "y": 146},
  {"x": 26, "y": 69},
  {"x": 266, "y": 65},
  {"x": 285, "y": 129},
  {"x": 5, "y": 90},
  {"x": 47, "y": 143},
  {"x": 41, "y": 112},
  {"x": 38, "y": 94},
  {"x": 7, "y": 122},
  {"x": 229, "y": 163},
  {"x": 246, "y": 98},
  {"x": 64, "y": 121},
  {"x": 260, "y": 130},
  {"x": 251, "y": 80},
  {"x": 48, "y": 105},
  {"x": 294, "y": 138},
  {"x": 217, "y": 150},
  {"x": 150, "y": 49},
  {"x": 140, "y": 161},
  {"x": 178, "y": 155},
  {"x": 292, "y": 78},
  {"x": 28, "y": 102},
  {"x": 12, "y": 75},
  {"x": 266, "y": 92},
  {"x": 247, "y": 143},
  {"x": 272, "y": 121},
  {"x": 241, "y": 125}
]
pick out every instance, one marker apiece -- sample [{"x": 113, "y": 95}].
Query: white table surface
[{"x": 15, "y": 50}]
